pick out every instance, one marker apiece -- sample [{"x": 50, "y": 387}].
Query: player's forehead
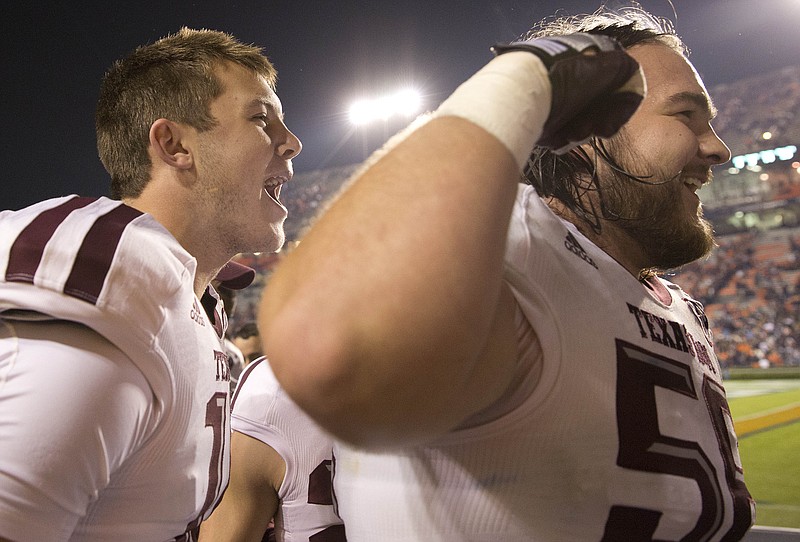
[
  {"x": 247, "y": 89},
  {"x": 670, "y": 76}
]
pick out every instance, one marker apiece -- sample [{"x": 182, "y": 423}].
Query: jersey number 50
[{"x": 643, "y": 448}]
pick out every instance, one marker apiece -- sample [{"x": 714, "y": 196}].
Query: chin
[
  {"x": 690, "y": 248},
  {"x": 276, "y": 239},
  {"x": 264, "y": 240}
]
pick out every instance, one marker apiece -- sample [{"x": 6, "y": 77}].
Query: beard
[{"x": 652, "y": 211}]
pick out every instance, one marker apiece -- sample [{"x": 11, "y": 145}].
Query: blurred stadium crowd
[{"x": 750, "y": 284}]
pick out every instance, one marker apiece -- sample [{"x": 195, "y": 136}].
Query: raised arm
[{"x": 390, "y": 323}]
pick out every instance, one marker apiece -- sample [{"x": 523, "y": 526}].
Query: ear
[{"x": 167, "y": 142}]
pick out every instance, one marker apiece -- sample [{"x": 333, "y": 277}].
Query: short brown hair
[{"x": 171, "y": 78}]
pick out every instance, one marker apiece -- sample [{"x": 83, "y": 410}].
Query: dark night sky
[{"x": 327, "y": 53}]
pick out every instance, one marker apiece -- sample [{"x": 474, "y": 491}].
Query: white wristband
[{"x": 510, "y": 98}]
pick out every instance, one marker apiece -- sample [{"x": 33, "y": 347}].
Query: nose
[
  {"x": 290, "y": 147},
  {"x": 713, "y": 149}
]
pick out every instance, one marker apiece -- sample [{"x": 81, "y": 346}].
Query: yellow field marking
[{"x": 764, "y": 420}]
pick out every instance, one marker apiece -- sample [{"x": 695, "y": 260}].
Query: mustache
[{"x": 704, "y": 174}]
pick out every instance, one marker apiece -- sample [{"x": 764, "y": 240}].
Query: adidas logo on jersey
[{"x": 573, "y": 246}]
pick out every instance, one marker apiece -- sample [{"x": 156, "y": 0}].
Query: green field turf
[{"x": 770, "y": 456}]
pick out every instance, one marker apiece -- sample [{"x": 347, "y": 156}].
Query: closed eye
[
  {"x": 686, "y": 114},
  {"x": 694, "y": 104}
]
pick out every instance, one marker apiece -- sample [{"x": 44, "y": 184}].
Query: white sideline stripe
[
  {"x": 772, "y": 534},
  {"x": 748, "y": 388}
]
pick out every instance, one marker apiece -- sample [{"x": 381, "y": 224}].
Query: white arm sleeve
[
  {"x": 510, "y": 98},
  {"x": 72, "y": 408}
]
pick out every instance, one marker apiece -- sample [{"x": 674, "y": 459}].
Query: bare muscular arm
[{"x": 394, "y": 292}]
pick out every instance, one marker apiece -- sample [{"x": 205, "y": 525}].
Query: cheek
[{"x": 665, "y": 143}]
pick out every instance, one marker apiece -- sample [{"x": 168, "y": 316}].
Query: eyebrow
[
  {"x": 270, "y": 105},
  {"x": 701, "y": 100}
]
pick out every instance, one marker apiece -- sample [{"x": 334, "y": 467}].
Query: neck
[
  {"x": 177, "y": 218},
  {"x": 611, "y": 239}
]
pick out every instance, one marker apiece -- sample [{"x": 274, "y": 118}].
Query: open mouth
[
  {"x": 695, "y": 180},
  {"x": 693, "y": 184},
  {"x": 273, "y": 188}
]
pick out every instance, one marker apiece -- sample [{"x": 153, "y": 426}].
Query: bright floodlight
[{"x": 404, "y": 103}]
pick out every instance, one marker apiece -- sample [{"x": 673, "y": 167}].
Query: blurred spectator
[
  {"x": 232, "y": 278},
  {"x": 750, "y": 286},
  {"x": 248, "y": 341}
]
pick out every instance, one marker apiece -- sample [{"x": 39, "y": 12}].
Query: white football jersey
[
  {"x": 96, "y": 295},
  {"x": 262, "y": 410},
  {"x": 626, "y": 434}
]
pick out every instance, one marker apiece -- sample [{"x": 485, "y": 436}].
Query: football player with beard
[{"x": 501, "y": 360}]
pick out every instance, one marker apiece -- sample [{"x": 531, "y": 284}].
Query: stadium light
[{"x": 405, "y": 103}]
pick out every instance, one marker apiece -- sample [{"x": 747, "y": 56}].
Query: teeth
[{"x": 274, "y": 181}]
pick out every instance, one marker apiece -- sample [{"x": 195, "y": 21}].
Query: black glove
[{"x": 593, "y": 94}]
